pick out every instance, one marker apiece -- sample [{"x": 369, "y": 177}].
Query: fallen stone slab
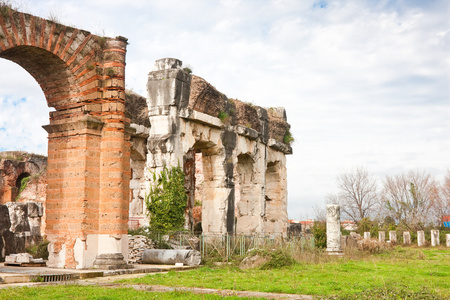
[{"x": 171, "y": 257}]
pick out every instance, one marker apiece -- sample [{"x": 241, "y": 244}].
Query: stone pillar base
[
  {"x": 111, "y": 261},
  {"x": 335, "y": 252}
]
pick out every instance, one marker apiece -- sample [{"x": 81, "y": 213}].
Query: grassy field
[
  {"x": 402, "y": 270},
  {"x": 403, "y": 273},
  {"x": 79, "y": 292}
]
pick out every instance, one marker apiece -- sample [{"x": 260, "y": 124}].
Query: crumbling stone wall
[
  {"x": 20, "y": 227},
  {"x": 241, "y": 146},
  {"x": 17, "y": 165}
]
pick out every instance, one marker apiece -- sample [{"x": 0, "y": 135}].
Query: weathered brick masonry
[{"x": 83, "y": 77}]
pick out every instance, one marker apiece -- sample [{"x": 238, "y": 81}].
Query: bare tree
[
  {"x": 441, "y": 200},
  {"x": 409, "y": 197},
  {"x": 357, "y": 195},
  {"x": 320, "y": 213}
]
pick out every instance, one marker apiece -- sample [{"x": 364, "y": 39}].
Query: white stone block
[
  {"x": 334, "y": 229},
  {"x": 420, "y": 238},
  {"x": 434, "y": 238},
  {"x": 381, "y": 236}
]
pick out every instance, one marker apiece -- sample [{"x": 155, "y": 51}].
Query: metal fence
[{"x": 225, "y": 246}]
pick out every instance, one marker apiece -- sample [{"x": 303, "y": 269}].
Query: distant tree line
[{"x": 413, "y": 200}]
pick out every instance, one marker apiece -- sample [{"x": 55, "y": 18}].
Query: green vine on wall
[
  {"x": 23, "y": 186},
  {"x": 166, "y": 201}
]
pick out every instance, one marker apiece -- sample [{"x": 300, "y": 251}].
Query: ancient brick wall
[{"x": 83, "y": 77}]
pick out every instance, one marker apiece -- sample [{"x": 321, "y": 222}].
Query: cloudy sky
[{"x": 364, "y": 83}]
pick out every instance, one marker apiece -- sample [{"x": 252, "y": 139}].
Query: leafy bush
[
  {"x": 278, "y": 259},
  {"x": 319, "y": 231},
  {"x": 367, "y": 225},
  {"x": 288, "y": 138},
  {"x": 223, "y": 116},
  {"x": 39, "y": 250},
  {"x": 166, "y": 201}
]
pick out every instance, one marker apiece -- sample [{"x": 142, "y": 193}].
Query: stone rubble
[{"x": 137, "y": 244}]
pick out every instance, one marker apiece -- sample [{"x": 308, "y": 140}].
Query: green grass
[
  {"x": 411, "y": 269},
  {"x": 403, "y": 273},
  {"x": 95, "y": 293}
]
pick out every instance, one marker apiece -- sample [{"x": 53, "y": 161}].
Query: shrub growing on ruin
[{"x": 166, "y": 200}]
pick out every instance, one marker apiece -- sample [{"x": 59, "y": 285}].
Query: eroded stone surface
[
  {"x": 406, "y": 238},
  {"x": 334, "y": 229},
  {"x": 420, "y": 238},
  {"x": 434, "y": 237}
]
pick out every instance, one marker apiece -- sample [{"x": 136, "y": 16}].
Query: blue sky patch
[{"x": 320, "y": 4}]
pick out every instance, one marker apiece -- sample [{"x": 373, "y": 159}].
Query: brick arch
[{"x": 83, "y": 77}]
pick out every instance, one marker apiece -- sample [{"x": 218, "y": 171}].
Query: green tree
[
  {"x": 319, "y": 231},
  {"x": 166, "y": 201}
]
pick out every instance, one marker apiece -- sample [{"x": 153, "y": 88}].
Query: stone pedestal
[
  {"x": 393, "y": 237},
  {"x": 406, "y": 238},
  {"x": 434, "y": 237},
  {"x": 111, "y": 261},
  {"x": 381, "y": 236},
  {"x": 447, "y": 240},
  {"x": 420, "y": 238},
  {"x": 334, "y": 230},
  {"x": 367, "y": 235}
]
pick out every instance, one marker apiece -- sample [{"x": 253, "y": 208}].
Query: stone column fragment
[
  {"x": 334, "y": 229},
  {"x": 434, "y": 237},
  {"x": 381, "y": 236},
  {"x": 393, "y": 237},
  {"x": 447, "y": 240},
  {"x": 367, "y": 235},
  {"x": 406, "y": 238},
  {"x": 420, "y": 238}
]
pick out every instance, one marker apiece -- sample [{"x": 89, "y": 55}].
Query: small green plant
[
  {"x": 102, "y": 41},
  {"x": 37, "y": 278},
  {"x": 40, "y": 250},
  {"x": 23, "y": 185},
  {"x": 277, "y": 259},
  {"x": 5, "y": 7},
  {"x": 187, "y": 70},
  {"x": 167, "y": 200},
  {"x": 223, "y": 116},
  {"x": 2, "y": 36},
  {"x": 319, "y": 231},
  {"x": 110, "y": 72},
  {"x": 288, "y": 138},
  {"x": 90, "y": 67}
]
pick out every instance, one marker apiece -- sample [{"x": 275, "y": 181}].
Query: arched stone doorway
[{"x": 83, "y": 78}]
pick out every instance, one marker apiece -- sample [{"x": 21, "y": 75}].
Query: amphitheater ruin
[{"x": 104, "y": 142}]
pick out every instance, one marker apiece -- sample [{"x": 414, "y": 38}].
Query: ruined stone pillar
[
  {"x": 420, "y": 238},
  {"x": 381, "y": 236},
  {"x": 447, "y": 240},
  {"x": 434, "y": 237},
  {"x": 88, "y": 172},
  {"x": 393, "y": 237},
  {"x": 406, "y": 238},
  {"x": 367, "y": 235},
  {"x": 334, "y": 229}
]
